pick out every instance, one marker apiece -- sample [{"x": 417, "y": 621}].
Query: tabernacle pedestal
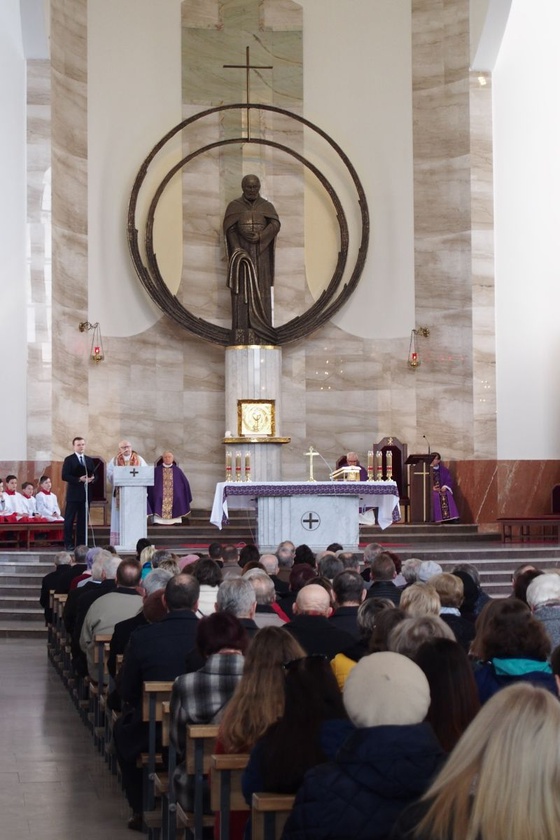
[
  {"x": 254, "y": 408},
  {"x": 133, "y": 512}
]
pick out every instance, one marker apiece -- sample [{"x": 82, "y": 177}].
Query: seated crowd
[{"x": 393, "y": 699}]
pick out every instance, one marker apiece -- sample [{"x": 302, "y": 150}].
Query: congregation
[{"x": 377, "y": 692}]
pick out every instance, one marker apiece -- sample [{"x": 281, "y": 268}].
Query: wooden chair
[
  {"x": 399, "y": 452},
  {"x": 269, "y": 813},
  {"x": 226, "y": 795}
]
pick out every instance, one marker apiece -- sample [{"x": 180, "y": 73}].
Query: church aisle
[{"x": 53, "y": 783}]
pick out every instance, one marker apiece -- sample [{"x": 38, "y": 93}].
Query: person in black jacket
[
  {"x": 78, "y": 473},
  {"x": 154, "y": 652},
  {"x": 382, "y": 767}
]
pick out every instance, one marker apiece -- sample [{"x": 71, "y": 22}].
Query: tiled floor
[{"x": 53, "y": 783}]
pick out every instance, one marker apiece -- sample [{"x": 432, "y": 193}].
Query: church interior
[{"x": 446, "y": 111}]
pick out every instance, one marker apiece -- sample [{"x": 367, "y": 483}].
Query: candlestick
[
  {"x": 238, "y": 466},
  {"x": 228, "y": 465},
  {"x": 247, "y": 466}
]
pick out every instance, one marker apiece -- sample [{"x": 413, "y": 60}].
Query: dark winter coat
[{"x": 377, "y": 772}]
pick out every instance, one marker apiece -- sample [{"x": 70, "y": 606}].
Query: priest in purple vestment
[
  {"x": 170, "y": 498},
  {"x": 444, "y": 507}
]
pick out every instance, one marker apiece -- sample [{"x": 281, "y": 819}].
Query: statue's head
[{"x": 251, "y": 186}]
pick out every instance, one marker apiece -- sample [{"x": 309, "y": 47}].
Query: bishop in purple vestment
[
  {"x": 444, "y": 507},
  {"x": 170, "y": 498}
]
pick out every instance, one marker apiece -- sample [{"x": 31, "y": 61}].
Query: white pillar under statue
[
  {"x": 253, "y": 390},
  {"x": 133, "y": 511}
]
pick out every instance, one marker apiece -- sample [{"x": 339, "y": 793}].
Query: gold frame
[{"x": 256, "y": 418}]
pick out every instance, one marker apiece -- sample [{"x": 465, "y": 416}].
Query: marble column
[{"x": 70, "y": 348}]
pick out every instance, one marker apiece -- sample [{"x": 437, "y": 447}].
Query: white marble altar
[{"x": 315, "y": 513}]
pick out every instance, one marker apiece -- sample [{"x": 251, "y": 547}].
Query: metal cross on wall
[{"x": 247, "y": 67}]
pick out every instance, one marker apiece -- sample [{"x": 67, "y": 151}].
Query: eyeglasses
[{"x": 313, "y": 660}]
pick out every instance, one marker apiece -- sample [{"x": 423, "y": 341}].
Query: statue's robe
[{"x": 251, "y": 266}]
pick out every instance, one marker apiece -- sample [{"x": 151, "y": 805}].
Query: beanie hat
[
  {"x": 385, "y": 689},
  {"x": 428, "y": 569},
  {"x": 188, "y": 560}
]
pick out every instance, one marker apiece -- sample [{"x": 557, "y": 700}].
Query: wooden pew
[
  {"x": 269, "y": 813},
  {"x": 199, "y": 748},
  {"x": 226, "y": 795},
  {"x": 97, "y": 688},
  {"x": 154, "y": 694}
]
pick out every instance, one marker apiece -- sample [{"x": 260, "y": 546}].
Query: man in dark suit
[
  {"x": 78, "y": 473},
  {"x": 154, "y": 652}
]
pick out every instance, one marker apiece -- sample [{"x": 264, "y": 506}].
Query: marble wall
[
  {"x": 164, "y": 388},
  {"x": 488, "y": 489}
]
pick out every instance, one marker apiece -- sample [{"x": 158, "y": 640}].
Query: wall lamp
[
  {"x": 413, "y": 355},
  {"x": 96, "y": 352}
]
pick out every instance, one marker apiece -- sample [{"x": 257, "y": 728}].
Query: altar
[{"x": 316, "y": 513}]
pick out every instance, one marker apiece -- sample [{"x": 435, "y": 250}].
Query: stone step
[
  {"x": 15, "y": 602},
  {"x": 27, "y": 591},
  {"x": 22, "y": 630},
  {"x": 21, "y": 614}
]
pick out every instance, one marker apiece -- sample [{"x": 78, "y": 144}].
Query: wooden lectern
[{"x": 420, "y": 487}]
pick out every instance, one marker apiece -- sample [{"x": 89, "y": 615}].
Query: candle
[
  {"x": 247, "y": 466},
  {"x": 238, "y": 466},
  {"x": 228, "y": 465},
  {"x": 370, "y": 465},
  {"x": 379, "y": 465},
  {"x": 389, "y": 458}
]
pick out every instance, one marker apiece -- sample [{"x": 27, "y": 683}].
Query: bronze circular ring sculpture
[{"x": 328, "y": 302}]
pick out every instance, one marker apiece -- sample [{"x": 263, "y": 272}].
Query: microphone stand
[
  {"x": 87, "y": 522},
  {"x": 86, "y": 512}
]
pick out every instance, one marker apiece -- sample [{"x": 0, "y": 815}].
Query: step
[
  {"x": 21, "y": 614},
  {"x": 22, "y": 630},
  {"x": 20, "y": 590},
  {"x": 14, "y": 602}
]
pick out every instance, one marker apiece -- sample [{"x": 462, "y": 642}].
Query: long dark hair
[
  {"x": 454, "y": 696},
  {"x": 292, "y": 745}
]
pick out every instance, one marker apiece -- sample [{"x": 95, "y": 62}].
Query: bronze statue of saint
[{"x": 251, "y": 225}]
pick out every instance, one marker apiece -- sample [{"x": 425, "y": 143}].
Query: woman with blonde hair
[
  {"x": 502, "y": 780},
  {"x": 420, "y": 599}
]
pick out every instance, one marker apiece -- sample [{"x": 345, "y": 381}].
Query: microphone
[
  {"x": 316, "y": 451},
  {"x": 323, "y": 460},
  {"x": 428, "y": 442}
]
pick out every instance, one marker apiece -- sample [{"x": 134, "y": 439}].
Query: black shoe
[
  {"x": 135, "y": 822},
  {"x": 68, "y": 548}
]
